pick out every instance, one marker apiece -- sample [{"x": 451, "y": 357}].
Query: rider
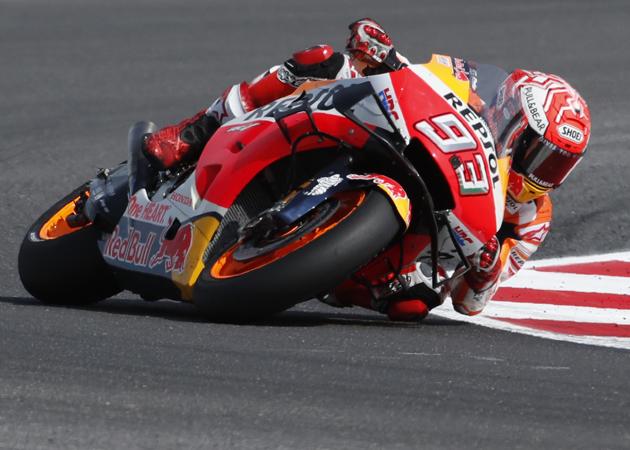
[{"x": 547, "y": 142}]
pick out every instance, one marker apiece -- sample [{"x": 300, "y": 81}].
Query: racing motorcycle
[{"x": 312, "y": 195}]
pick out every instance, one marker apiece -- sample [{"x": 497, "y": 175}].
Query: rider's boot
[
  {"x": 177, "y": 144},
  {"x": 407, "y": 310},
  {"x": 413, "y": 304}
]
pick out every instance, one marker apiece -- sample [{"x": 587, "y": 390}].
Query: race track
[{"x": 130, "y": 374}]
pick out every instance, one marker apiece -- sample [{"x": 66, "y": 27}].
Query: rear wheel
[
  {"x": 258, "y": 276},
  {"x": 61, "y": 264}
]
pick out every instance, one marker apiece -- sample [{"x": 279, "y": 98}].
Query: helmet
[
  {"x": 551, "y": 139},
  {"x": 368, "y": 41}
]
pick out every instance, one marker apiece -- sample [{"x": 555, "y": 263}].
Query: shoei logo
[{"x": 571, "y": 133}]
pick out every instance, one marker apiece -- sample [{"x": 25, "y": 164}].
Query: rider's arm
[
  {"x": 525, "y": 226},
  {"x": 316, "y": 63}
]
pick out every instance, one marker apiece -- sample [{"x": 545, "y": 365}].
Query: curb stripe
[
  {"x": 612, "y": 268},
  {"x": 569, "y": 298},
  {"x": 554, "y": 281}
]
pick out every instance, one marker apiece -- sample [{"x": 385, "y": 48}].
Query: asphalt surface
[{"x": 128, "y": 374}]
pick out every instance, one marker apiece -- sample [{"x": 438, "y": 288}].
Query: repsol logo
[
  {"x": 571, "y": 133},
  {"x": 481, "y": 130},
  {"x": 320, "y": 100}
]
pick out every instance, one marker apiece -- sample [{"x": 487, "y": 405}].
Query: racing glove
[
  {"x": 486, "y": 266},
  {"x": 471, "y": 293}
]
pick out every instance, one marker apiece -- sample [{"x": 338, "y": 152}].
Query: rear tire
[
  {"x": 312, "y": 269},
  {"x": 67, "y": 269}
]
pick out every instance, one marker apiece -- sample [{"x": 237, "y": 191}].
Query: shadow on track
[{"x": 184, "y": 312}]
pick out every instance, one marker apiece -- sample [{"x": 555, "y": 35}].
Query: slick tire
[
  {"x": 67, "y": 269},
  {"x": 314, "y": 268}
]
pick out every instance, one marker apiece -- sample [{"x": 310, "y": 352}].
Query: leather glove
[{"x": 486, "y": 266}]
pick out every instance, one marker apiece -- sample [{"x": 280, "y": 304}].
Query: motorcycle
[{"x": 312, "y": 195}]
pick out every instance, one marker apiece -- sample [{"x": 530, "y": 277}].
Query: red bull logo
[
  {"x": 395, "y": 190},
  {"x": 173, "y": 252}
]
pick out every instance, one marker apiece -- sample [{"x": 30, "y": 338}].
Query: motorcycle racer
[{"x": 547, "y": 136}]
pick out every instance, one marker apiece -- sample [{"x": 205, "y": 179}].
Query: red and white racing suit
[{"x": 524, "y": 227}]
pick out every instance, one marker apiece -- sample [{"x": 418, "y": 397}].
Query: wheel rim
[
  {"x": 234, "y": 262},
  {"x": 57, "y": 226}
]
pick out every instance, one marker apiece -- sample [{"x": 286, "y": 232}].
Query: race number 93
[{"x": 454, "y": 135}]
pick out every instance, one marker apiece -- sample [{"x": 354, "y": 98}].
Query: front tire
[
  {"x": 63, "y": 265},
  {"x": 246, "y": 289}
]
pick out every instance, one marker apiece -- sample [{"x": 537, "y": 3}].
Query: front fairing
[
  {"x": 413, "y": 98},
  {"x": 445, "y": 103}
]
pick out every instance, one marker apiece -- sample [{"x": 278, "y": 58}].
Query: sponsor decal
[
  {"x": 571, "y": 133},
  {"x": 461, "y": 69},
  {"x": 287, "y": 77},
  {"x": 536, "y": 234},
  {"x": 539, "y": 182},
  {"x": 482, "y": 131},
  {"x": 444, "y": 60},
  {"x": 130, "y": 249},
  {"x": 511, "y": 205},
  {"x": 454, "y": 138},
  {"x": 242, "y": 127},
  {"x": 472, "y": 177},
  {"x": 461, "y": 236},
  {"x": 474, "y": 78},
  {"x": 388, "y": 103},
  {"x": 533, "y": 108},
  {"x": 323, "y": 184},
  {"x": 320, "y": 99},
  {"x": 501, "y": 96},
  {"x": 180, "y": 198},
  {"x": 516, "y": 258},
  {"x": 173, "y": 252},
  {"x": 396, "y": 190},
  {"x": 150, "y": 212}
]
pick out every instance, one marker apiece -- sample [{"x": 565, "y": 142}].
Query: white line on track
[
  {"x": 567, "y": 260},
  {"x": 556, "y": 281}
]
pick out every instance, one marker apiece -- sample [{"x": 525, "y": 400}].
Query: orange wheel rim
[
  {"x": 57, "y": 225},
  {"x": 227, "y": 266}
]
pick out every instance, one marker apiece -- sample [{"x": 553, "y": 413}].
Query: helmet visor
[{"x": 541, "y": 162}]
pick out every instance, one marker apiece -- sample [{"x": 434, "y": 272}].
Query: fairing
[{"x": 444, "y": 104}]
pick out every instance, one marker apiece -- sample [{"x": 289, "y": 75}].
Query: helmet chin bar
[{"x": 525, "y": 190}]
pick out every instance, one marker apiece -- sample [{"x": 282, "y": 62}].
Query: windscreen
[{"x": 502, "y": 113}]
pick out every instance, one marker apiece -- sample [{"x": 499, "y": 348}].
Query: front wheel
[
  {"x": 256, "y": 277},
  {"x": 60, "y": 264}
]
